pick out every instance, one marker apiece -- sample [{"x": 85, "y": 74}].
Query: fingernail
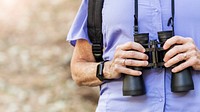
[
  {"x": 173, "y": 70},
  {"x": 146, "y": 63},
  {"x": 165, "y": 47},
  {"x": 166, "y": 65},
  {"x": 147, "y": 57},
  {"x": 164, "y": 60},
  {"x": 140, "y": 73},
  {"x": 143, "y": 50}
]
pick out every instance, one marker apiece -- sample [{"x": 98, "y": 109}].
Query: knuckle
[
  {"x": 193, "y": 52},
  {"x": 190, "y": 39},
  {"x": 121, "y": 54},
  {"x": 178, "y": 38},
  {"x": 192, "y": 46},
  {"x": 180, "y": 57},
  {"x": 127, "y": 62},
  {"x": 132, "y": 53},
  {"x": 194, "y": 60},
  {"x": 116, "y": 55},
  {"x": 116, "y": 68},
  {"x": 119, "y": 47},
  {"x": 117, "y": 61},
  {"x": 134, "y": 43},
  {"x": 176, "y": 48},
  {"x": 129, "y": 43},
  {"x": 139, "y": 46},
  {"x": 176, "y": 59},
  {"x": 132, "y": 63}
]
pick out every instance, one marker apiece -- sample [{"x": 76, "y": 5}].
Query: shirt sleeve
[{"x": 78, "y": 29}]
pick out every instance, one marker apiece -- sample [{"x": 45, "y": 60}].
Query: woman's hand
[
  {"x": 184, "y": 50},
  {"x": 128, "y": 54}
]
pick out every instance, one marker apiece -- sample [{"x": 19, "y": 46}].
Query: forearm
[
  {"x": 84, "y": 73},
  {"x": 83, "y": 65}
]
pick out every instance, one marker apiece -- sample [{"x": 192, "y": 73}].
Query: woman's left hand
[{"x": 184, "y": 50}]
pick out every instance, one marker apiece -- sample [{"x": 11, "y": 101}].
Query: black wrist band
[{"x": 99, "y": 72}]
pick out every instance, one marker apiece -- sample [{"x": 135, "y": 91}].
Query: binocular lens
[
  {"x": 164, "y": 35},
  {"x": 142, "y": 38}
]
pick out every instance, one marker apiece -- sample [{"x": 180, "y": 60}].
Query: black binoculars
[{"x": 134, "y": 85}]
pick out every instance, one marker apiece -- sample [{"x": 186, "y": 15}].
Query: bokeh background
[{"x": 35, "y": 58}]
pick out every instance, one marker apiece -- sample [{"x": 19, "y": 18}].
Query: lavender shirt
[{"x": 118, "y": 29}]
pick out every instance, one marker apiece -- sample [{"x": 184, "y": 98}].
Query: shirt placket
[
  {"x": 156, "y": 27},
  {"x": 156, "y": 18}
]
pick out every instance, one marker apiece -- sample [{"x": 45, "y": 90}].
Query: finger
[
  {"x": 128, "y": 71},
  {"x": 131, "y": 46},
  {"x": 175, "y": 40},
  {"x": 133, "y": 54},
  {"x": 175, "y": 50},
  {"x": 120, "y": 61},
  {"x": 175, "y": 60},
  {"x": 136, "y": 63},
  {"x": 184, "y": 65}
]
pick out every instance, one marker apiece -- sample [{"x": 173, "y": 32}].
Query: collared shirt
[{"x": 118, "y": 24}]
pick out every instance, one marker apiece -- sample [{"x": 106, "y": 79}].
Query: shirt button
[
  {"x": 156, "y": 10},
  {"x": 160, "y": 99}
]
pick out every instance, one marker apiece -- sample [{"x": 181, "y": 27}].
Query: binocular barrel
[
  {"x": 134, "y": 85},
  {"x": 180, "y": 81},
  {"x": 162, "y": 37}
]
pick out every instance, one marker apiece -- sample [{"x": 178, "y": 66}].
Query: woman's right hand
[{"x": 128, "y": 54}]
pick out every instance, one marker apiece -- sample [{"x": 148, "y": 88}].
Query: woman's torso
[{"x": 118, "y": 24}]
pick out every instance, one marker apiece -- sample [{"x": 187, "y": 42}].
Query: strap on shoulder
[{"x": 94, "y": 24}]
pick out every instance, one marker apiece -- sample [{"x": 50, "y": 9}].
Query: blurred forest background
[{"x": 35, "y": 58}]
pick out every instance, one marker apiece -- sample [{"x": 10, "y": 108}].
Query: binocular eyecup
[{"x": 135, "y": 86}]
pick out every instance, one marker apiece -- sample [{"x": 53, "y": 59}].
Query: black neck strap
[
  {"x": 173, "y": 14},
  {"x": 136, "y": 18},
  {"x": 170, "y": 21}
]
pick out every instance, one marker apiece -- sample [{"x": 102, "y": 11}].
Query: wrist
[
  {"x": 198, "y": 56},
  {"x": 197, "y": 65},
  {"x": 106, "y": 70},
  {"x": 100, "y": 73}
]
